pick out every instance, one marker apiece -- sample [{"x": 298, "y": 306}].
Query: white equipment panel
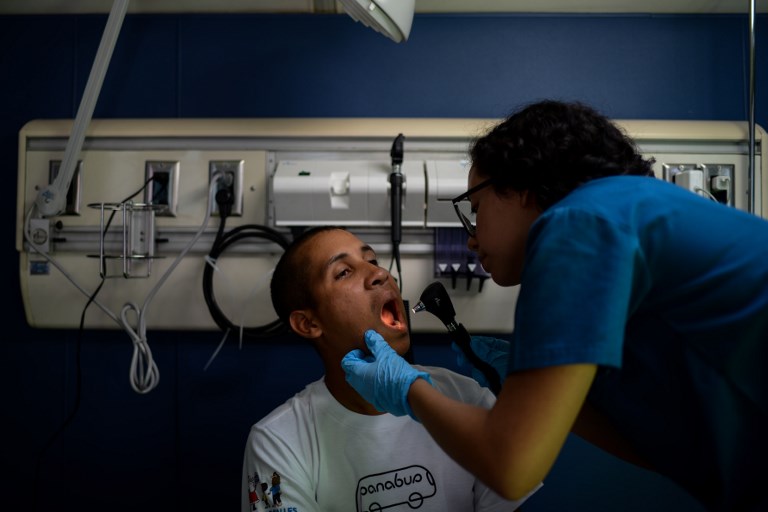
[
  {"x": 290, "y": 174},
  {"x": 353, "y": 193}
]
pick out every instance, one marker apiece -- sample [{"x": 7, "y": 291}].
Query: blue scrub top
[{"x": 667, "y": 291}]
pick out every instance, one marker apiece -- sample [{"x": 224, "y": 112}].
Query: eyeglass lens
[{"x": 466, "y": 215}]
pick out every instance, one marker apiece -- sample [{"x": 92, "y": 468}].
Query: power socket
[
  {"x": 232, "y": 171},
  {"x": 692, "y": 179},
  {"x": 164, "y": 188},
  {"x": 72, "y": 206}
]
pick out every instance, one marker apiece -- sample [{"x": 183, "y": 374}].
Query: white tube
[{"x": 52, "y": 199}]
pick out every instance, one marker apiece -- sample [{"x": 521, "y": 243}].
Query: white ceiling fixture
[
  {"x": 421, "y": 6},
  {"x": 393, "y": 18}
]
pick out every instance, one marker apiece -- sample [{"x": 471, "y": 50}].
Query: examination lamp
[{"x": 393, "y": 18}]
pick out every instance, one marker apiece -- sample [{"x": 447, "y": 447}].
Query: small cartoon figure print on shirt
[
  {"x": 275, "y": 489},
  {"x": 264, "y": 494},
  {"x": 253, "y": 486}
]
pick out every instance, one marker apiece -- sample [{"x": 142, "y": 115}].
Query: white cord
[
  {"x": 705, "y": 192},
  {"x": 212, "y": 262},
  {"x": 259, "y": 286},
  {"x": 41, "y": 252},
  {"x": 216, "y": 352},
  {"x": 144, "y": 374},
  {"x": 241, "y": 327}
]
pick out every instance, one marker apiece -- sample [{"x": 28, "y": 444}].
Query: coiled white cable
[{"x": 144, "y": 374}]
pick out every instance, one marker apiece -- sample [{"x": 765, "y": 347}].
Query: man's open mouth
[{"x": 391, "y": 315}]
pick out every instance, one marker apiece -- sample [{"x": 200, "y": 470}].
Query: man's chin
[
  {"x": 398, "y": 339},
  {"x": 401, "y": 344}
]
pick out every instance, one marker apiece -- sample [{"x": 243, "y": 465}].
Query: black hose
[{"x": 221, "y": 243}]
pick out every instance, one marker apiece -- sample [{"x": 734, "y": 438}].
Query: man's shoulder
[{"x": 296, "y": 409}]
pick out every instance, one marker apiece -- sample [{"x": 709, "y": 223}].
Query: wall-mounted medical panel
[
  {"x": 709, "y": 158},
  {"x": 349, "y": 192},
  {"x": 113, "y": 175},
  {"x": 447, "y": 179},
  {"x": 114, "y": 167},
  {"x": 720, "y": 177},
  {"x": 288, "y": 174}
]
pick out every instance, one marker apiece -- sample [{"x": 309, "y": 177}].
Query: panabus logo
[{"x": 406, "y": 486}]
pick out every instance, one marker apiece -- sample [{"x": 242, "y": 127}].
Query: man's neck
[{"x": 347, "y": 396}]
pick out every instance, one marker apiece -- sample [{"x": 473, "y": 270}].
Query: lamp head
[{"x": 393, "y": 18}]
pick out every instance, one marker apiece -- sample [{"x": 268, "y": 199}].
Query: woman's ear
[
  {"x": 303, "y": 324},
  {"x": 528, "y": 200}
]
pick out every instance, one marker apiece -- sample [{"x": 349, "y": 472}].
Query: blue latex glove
[
  {"x": 493, "y": 351},
  {"x": 382, "y": 378}
]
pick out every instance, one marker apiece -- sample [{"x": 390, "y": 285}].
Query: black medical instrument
[
  {"x": 435, "y": 300},
  {"x": 396, "y": 180}
]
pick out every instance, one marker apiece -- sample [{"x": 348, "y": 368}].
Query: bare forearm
[
  {"x": 595, "y": 428},
  {"x": 512, "y": 446},
  {"x": 465, "y": 433}
]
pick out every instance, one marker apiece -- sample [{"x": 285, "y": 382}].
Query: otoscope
[
  {"x": 435, "y": 300},
  {"x": 396, "y": 180}
]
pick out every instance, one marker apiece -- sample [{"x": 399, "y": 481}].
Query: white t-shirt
[{"x": 312, "y": 454}]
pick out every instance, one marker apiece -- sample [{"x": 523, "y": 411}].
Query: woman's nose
[{"x": 472, "y": 244}]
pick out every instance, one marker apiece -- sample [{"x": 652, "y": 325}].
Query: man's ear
[{"x": 303, "y": 323}]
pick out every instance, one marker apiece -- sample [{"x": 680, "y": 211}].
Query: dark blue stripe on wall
[
  {"x": 142, "y": 80},
  {"x": 685, "y": 67},
  {"x": 664, "y": 67}
]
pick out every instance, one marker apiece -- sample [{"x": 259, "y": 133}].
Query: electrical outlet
[
  {"x": 711, "y": 180},
  {"x": 164, "y": 188},
  {"x": 73, "y": 194},
  {"x": 232, "y": 171}
]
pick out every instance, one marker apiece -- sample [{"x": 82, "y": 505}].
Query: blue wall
[{"x": 180, "y": 447}]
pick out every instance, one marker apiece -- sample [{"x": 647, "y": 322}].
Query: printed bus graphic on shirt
[{"x": 409, "y": 486}]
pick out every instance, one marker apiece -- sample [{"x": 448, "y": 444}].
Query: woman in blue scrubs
[{"x": 641, "y": 323}]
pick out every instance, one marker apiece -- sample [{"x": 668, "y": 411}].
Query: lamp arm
[{"x": 51, "y": 200}]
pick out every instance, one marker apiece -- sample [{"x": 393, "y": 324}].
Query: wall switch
[
  {"x": 232, "y": 177},
  {"x": 164, "y": 188}
]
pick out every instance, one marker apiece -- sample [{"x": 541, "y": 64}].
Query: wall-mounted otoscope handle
[
  {"x": 435, "y": 300},
  {"x": 396, "y": 180},
  {"x": 397, "y": 150}
]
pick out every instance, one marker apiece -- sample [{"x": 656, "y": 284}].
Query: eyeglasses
[{"x": 463, "y": 207}]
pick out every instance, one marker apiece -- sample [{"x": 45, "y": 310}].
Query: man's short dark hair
[{"x": 290, "y": 285}]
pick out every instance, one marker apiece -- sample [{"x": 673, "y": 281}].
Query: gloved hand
[
  {"x": 493, "y": 351},
  {"x": 382, "y": 378}
]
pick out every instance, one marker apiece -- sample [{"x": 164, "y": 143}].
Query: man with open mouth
[{"x": 333, "y": 450}]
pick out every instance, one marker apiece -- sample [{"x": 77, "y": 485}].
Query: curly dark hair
[
  {"x": 551, "y": 147},
  {"x": 289, "y": 287}
]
